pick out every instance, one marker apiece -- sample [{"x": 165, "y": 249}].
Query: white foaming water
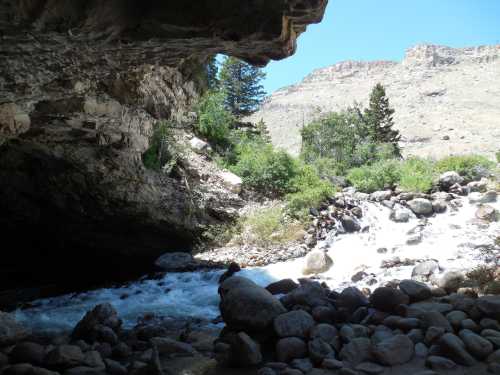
[{"x": 449, "y": 238}]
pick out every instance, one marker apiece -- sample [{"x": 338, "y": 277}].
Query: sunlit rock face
[{"x": 81, "y": 85}]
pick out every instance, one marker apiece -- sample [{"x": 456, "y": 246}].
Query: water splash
[{"x": 450, "y": 238}]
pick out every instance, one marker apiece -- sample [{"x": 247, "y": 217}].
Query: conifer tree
[
  {"x": 379, "y": 119},
  {"x": 242, "y": 85},
  {"x": 212, "y": 70},
  {"x": 263, "y": 132}
]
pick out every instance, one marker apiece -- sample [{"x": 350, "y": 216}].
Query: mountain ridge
[{"x": 446, "y": 99}]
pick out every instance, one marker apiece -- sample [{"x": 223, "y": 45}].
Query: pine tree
[
  {"x": 243, "y": 87},
  {"x": 379, "y": 119},
  {"x": 263, "y": 132}
]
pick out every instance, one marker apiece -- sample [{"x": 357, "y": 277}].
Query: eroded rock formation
[{"x": 81, "y": 85}]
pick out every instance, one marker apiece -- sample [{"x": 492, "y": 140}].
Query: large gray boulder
[
  {"x": 247, "y": 306},
  {"x": 448, "y": 179},
  {"x": 487, "y": 213},
  {"x": 394, "y": 351},
  {"x": 99, "y": 324},
  {"x": 416, "y": 290},
  {"x": 454, "y": 348},
  {"x": 317, "y": 261},
  {"x": 10, "y": 330},
  {"x": 296, "y": 323},
  {"x": 489, "y": 306},
  {"x": 175, "y": 262},
  {"x": 388, "y": 299},
  {"x": 351, "y": 299},
  {"x": 478, "y": 346},
  {"x": 290, "y": 348},
  {"x": 357, "y": 350},
  {"x": 420, "y": 206}
]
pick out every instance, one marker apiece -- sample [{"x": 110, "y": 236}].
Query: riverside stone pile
[
  {"x": 295, "y": 329},
  {"x": 99, "y": 345},
  {"x": 343, "y": 211}
]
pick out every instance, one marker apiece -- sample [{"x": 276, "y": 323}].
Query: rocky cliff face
[
  {"x": 446, "y": 99},
  {"x": 81, "y": 85}
]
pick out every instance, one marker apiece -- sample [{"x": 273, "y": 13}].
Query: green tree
[
  {"x": 379, "y": 119},
  {"x": 212, "y": 71},
  {"x": 262, "y": 131},
  {"x": 243, "y": 87},
  {"x": 214, "y": 120}
]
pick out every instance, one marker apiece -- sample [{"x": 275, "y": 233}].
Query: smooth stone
[
  {"x": 293, "y": 324},
  {"x": 394, "y": 351},
  {"x": 452, "y": 347}
]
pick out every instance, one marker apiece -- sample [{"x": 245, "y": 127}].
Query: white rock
[
  {"x": 231, "y": 181},
  {"x": 199, "y": 145},
  {"x": 317, "y": 261}
]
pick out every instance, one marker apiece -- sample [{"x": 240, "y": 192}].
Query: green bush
[
  {"x": 264, "y": 169},
  {"x": 163, "y": 151},
  {"x": 416, "y": 175},
  {"x": 308, "y": 190},
  {"x": 378, "y": 176},
  {"x": 497, "y": 155},
  {"x": 345, "y": 139},
  {"x": 468, "y": 166},
  {"x": 214, "y": 121}
]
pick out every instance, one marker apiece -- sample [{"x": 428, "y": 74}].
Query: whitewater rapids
[{"x": 450, "y": 238}]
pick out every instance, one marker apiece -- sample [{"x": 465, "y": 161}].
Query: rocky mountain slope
[
  {"x": 81, "y": 85},
  {"x": 447, "y": 100}
]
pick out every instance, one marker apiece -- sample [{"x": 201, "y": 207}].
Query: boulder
[
  {"x": 487, "y": 213},
  {"x": 326, "y": 332},
  {"x": 451, "y": 281},
  {"x": 394, "y": 351},
  {"x": 115, "y": 368},
  {"x": 317, "y": 261},
  {"x": 199, "y": 145},
  {"x": 351, "y": 299},
  {"x": 294, "y": 323},
  {"x": 320, "y": 350},
  {"x": 93, "y": 359},
  {"x": 10, "y": 330},
  {"x": 417, "y": 291},
  {"x": 435, "y": 319},
  {"x": 357, "y": 350},
  {"x": 456, "y": 317},
  {"x": 245, "y": 351},
  {"x": 400, "y": 214},
  {"x": 478, "y": 186},
  {"x": 246, "y": 306},
  {"x": 64, "y": 357},
  {"x": 420, "y": 206},
  {"x": 439, "y": 206},
  {"x": 423, "y": 270},
  {"x": 381, "y": 195},
  {"x": 489, "y": 306},
  {"x": 349, "y": 223},
  {"x": 310, "y": 294},
  {"x": 290, "y": 348},
  {"x": 452, "y": 347},
  {"x": 478, "y": 346},
  {"x": 176, "y": 262},
  {"x": 282, "y": 287},
  {"x": 448, "y": 179},
  {"x": 324, "y": 314},
  {"x": 99, "y": 324},
  {"x": 369, "y": 368},
  {"x": 231, "y": 181},
  {"x": 303, "y": 364},
  {"x": 388, "y": 299}
]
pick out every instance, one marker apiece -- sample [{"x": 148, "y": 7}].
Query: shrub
[
  {"x": 308, "y": 190},
  {"x": 378, "y": 176},
  {"x": 264, "y": 169},
  {"x": 416, "y": 175},
  {"x": 346, "y": 139},
  {"x": 468, "y": 166},
  {"x": 162, "y": 151},
  {"x": 269, "y": 226},
  {"x": 214, "y": 121},
  {"x": 497, "y": 155}
]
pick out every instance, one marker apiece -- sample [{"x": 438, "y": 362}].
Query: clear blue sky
[{"x": 382, "y": 30}]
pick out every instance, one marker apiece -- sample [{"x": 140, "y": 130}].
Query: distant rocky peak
[
  {"x": 347, "y": 68},
  {"x": 429, "y": 55}
]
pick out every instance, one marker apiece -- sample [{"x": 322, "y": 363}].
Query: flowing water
[{"x": 452, "y": 238}]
